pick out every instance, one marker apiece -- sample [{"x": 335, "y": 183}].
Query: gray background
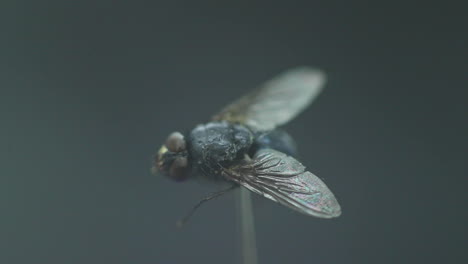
[{"x": 90, "y": 89}]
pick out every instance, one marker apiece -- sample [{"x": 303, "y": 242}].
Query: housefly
[{"x": 243, "y": 145}]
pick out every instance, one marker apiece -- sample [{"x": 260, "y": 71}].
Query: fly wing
[
  {"x": 277, "y": 101},
  {"x": 283, "y": 179}
]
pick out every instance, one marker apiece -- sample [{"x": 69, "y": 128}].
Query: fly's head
[{"x": 172, "y": 158}]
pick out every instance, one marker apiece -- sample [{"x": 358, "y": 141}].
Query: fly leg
[{"x": 184, "y": 220}]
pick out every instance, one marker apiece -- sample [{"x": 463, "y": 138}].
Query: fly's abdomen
[{"x": 276, "y": 139}]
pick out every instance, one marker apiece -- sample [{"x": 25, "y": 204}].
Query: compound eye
[
  {"x": 179, "y": 170},
  {"x": 175, "y": 142}
]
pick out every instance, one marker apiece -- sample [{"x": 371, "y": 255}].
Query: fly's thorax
[{"x": 218, "y": 144}]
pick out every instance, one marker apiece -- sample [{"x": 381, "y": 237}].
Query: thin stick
[{"x": 249, "y": 246}]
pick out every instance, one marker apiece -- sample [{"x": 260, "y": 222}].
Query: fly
[{"x": 243, "y": 145}]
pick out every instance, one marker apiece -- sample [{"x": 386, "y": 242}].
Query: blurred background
[{"x": 89, "y": 90}]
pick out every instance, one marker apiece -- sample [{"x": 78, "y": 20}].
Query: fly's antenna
[{"x": 184, "y": 220}]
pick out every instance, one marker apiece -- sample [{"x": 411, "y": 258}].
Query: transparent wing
[
  {"x": 283, "y": 179},
  {"x": 276, "y": 101}
]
